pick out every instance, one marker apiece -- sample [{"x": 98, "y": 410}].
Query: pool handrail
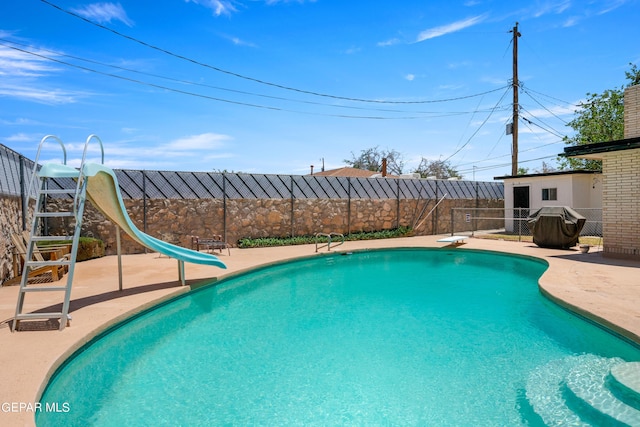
[
  {"x": 329, "y": 240},
  {"x": 34, "y": 173},
  {"x": 81, "y": 174}
]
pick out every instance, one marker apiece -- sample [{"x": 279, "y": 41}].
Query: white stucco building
[{"x": 523, "y": 194}]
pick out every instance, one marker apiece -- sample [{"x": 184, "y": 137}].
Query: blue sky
[{"x": 274, "y": 86}]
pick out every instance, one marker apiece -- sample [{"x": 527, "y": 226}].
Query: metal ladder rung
[
  {"x": 44, "y": 288},
  {"x": 59, "y": 191},
  {"x": 25, "y": 316},
  {"x": 48, "y": 263},
  {"x": 50, "y": 238},
  {"x": 53, "y": 214}
]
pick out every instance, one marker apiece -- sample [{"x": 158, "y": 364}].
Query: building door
[{"x": 520, "y": 209}]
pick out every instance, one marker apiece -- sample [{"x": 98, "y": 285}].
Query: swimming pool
[{"x": 397, "y": 337}]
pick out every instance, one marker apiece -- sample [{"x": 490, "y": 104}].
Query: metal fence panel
[
  {"x": 357, "y": 188},
  {"x": 235, "y": 187},
  {"x": 10, "y": 175},
  {"x": 204, "y": 185},
  {"x": 268, "y": 186},
  {"x": 131, "y": 183},
  {"x": 137, "y": 184},
  {"x": 373, "y": 188},
  {"x": 57, "y": 184},
  {"x": 489, "y": 190},
  {"x": 320, "y": 187}
]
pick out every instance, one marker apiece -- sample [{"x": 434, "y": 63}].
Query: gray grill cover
[{"x": 555, "y": 227}]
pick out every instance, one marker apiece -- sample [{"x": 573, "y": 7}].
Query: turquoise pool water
[{"x": 394, "y": 337}]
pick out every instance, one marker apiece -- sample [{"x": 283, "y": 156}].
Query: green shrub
[{"x": 263, "y": 242}]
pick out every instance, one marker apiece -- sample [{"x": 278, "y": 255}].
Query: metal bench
[{"x": 214, "y": 243}]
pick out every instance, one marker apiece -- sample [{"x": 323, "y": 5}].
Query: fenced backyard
[{"x": 174, "y": 206}]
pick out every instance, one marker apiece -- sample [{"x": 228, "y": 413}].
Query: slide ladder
[{"x": 71, "y": 182}]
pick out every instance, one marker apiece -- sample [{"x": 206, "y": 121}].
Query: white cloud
[
  {"x": 19, "y": 137},
  {"x": 462, "y": 64},
  {"x": 20, "y": 72},
  {"x": 556, "y": 7},
  {"x": 270, "y": 2},
  {"x": 449, "y": 28},
  {"x": 410, "y": 77},
  {"x": 556, "y": 111},
  {"x": 43, "y": 96},
  {"x": 238, "y": 41},
  {"x": 389, "y": 42},
  {"x": 612, "y": 5},
  {"x": 20, "y": 121},
  {"x": 352, "y": 50},
  {"x": 204, "y": 141},
  {"x": 450, "y": 87},
  {"x": 570, "y": 22},
  {"x": 191, "y": 152},
  {"x": 219, "y": 7},
  {"x": 17, "y": 63},
  {"x": 104, "y": 13},
  {"x": 227, "y": 7}
]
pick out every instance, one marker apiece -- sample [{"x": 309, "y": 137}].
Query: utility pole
[{"x": 516, "y": 106}]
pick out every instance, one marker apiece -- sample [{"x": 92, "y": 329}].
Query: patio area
[{"x": 602, "y": 289}]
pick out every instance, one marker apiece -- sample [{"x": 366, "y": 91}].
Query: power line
[
  {"x": 549, "y": 96},
  {"x": 502, "y": 165},
  {"x": 199, "y": 95},
  {"x": 544, "y": 129},
  {"x": 509, "y": 155},
  {"x": 8, "y": 43},
  {"x": 479, "y": 127},
  {"x": 545, "y": 108},
  {"x": 253, "y": 79}
]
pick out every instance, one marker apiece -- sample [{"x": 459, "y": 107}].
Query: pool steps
[
  {"x": 586, "y": 390},
  {"x": 625, "y": 382}
]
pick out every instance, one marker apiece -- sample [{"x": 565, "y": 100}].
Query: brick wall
[
  {"x": 621, "y": 203},
  {"x": 632, "y": 112},
  {"x": 621, "y": 188}
]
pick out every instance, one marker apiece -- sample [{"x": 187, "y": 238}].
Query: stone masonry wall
[
  {"x": 175, "y": 221},
  {"x": 10, "y": 223},
  {"x": 621, "y": 203}
]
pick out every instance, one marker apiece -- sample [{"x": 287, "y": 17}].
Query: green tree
[
  {"x": 371, "y": 160},
  {"x": 439, "y": 168},
  {"x": 598, "y": 119}
]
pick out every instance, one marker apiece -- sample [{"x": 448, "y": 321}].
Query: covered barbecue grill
[{"x": 555, "y": 227}]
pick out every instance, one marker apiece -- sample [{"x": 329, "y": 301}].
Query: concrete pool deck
[{"x": 603, "y": 289}]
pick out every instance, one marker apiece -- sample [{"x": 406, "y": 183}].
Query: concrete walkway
[{"x": 602, "y": 289}]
